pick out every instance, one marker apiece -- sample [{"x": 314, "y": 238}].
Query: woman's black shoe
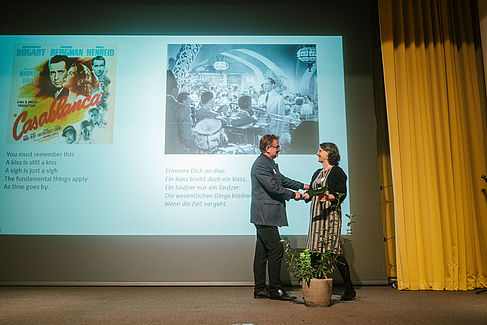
[{"x": 348, "y": 295}]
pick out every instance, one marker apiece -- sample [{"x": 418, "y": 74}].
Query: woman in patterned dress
[{"x": 326, "y": 219}]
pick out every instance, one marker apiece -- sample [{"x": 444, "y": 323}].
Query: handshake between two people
[{"x": 322, "y": 194}]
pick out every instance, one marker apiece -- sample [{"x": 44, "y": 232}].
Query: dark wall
[{"x": 222, "y": 259}]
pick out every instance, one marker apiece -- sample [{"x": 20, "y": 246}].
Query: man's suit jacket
[
  {"x": 270, "y": 190},
  {"x": 180, "y": 137}
]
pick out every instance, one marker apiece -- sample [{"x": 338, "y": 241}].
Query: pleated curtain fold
[{"x": 436, "y": 114}]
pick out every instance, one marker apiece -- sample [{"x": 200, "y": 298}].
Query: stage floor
[{"x": 233, "y": 305}]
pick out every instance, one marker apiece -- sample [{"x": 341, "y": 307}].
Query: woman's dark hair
[
  {"x": 83, "y": 82},
  {"x": 333, "y": 153}
]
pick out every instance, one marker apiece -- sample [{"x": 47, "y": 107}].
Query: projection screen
[{"x": 97, "y": 141}]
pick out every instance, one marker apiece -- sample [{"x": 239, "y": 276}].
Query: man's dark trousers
[{"x": 268, "y": 251}]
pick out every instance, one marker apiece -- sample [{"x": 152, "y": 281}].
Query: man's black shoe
[
  {"x": 263, "y": 294},
  {"x": 281, "y": 295}
]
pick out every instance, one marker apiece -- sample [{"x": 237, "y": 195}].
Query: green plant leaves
[{"x": 309, "y": 264}]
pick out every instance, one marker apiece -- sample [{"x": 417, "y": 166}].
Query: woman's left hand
[{"x": 327, "y": 197}]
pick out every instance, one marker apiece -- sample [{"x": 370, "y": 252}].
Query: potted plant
[{"x": 314, "y": 269}]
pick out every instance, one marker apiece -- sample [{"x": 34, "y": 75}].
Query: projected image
[
  {"x": 157, "y": 101},
  {"x": 62, "y": 94},
  {"x": 221, "y": 98}
]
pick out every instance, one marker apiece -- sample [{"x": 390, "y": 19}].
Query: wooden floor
[{"x": 233, "y": 305}]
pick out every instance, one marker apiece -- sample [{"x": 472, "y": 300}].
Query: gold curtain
[
  {"x": 384, "y": 158},
  {"x": 436, "y": 112},
  {"x": 387, "y": 194}
]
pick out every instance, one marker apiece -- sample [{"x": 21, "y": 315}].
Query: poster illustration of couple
[{"x": 62, "y": 94}]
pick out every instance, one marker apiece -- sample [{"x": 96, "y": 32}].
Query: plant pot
[{"x": 318, "y": 292}]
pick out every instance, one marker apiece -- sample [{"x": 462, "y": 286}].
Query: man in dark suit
[
  {"x": 58, "y": 69},
  {"x": 270, "y": 191},
  {"x": 180, "y": 137}
]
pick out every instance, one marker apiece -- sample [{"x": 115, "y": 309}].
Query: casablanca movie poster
[{"x": 62, "y": 94}]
